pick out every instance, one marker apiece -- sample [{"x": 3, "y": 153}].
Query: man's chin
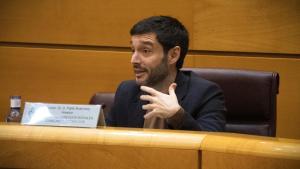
[{"x": 140, "y": 82}]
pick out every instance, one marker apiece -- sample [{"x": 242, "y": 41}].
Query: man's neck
[{"x": 164, "y": 85}]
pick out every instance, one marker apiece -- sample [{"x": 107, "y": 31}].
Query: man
[{"x": 162, "y": 96}]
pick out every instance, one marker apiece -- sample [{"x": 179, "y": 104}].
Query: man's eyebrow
[
  {"x": 144, "y": 43},
  {"x": 147, "y": 43}
]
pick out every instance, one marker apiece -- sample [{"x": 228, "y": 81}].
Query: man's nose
[{"x": 135, "y": 58}]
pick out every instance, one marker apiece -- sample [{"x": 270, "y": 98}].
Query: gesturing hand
[{"x": 161, "y": 105}]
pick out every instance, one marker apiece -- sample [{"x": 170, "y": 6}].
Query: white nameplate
[{"x": 72, "y": 115}]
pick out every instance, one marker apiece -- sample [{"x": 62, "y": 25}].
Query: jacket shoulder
[{"x": 127, "y": 87}]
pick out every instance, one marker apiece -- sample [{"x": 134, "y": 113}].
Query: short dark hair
[{"x": 169, "y": 32}]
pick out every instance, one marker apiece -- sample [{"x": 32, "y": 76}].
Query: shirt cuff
[{"x": 176, "y": 120}]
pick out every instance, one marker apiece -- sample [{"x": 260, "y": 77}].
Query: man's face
[{"x": 148, "y": 59}]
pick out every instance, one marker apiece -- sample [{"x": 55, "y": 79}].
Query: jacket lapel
[
  {"x": 182, "y": 86},
  {"x": 135, "y": 112}
]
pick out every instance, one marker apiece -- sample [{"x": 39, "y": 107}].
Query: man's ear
[{"x": 174, "y": 54}]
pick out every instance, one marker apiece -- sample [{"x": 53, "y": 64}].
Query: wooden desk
[{"x": 124, "y": 148}]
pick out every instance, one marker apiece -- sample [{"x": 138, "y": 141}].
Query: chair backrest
[
  {"x": 105, "y": 99},
  {"x": 250, "y": 98}
]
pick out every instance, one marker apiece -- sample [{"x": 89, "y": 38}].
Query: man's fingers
[
  {"x": 148, "y": 115},
  {"x": 149, "y": 98},
  {"x": 148, "y": 107},
  {"x": 172, "y": 88},
  {"x": 150, "y": 90},
  {"x": 152, "y": 114}
]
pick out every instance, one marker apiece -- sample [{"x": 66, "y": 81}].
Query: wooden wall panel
[
  {"x": 288, "y": 102},
  {"x": 256, "y": 26},
  {"x": 90, "y": 22},
  {"x": 252, "y": 26},
  {"x": 54, "y": 75},
  {"x": 61, "y": 75},
  {"x": 72, "y": 76}
]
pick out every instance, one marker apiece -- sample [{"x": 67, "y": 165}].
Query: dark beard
[{"x": 158, "y": 73}]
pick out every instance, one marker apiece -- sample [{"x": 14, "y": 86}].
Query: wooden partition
[
  {"x": 75, "y": 148},
  {"x": 235, "y": 151},
  {"x": 78, "y": 148},
  {"x": 63, "y": 51}
]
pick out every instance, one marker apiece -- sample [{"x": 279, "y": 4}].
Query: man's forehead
[{"x": 147, "y": 39}]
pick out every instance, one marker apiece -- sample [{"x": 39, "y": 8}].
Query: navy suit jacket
[{"x": 202, "y": 101}]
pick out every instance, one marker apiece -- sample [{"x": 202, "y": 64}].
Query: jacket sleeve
[{"x": 209, "y": 114}]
